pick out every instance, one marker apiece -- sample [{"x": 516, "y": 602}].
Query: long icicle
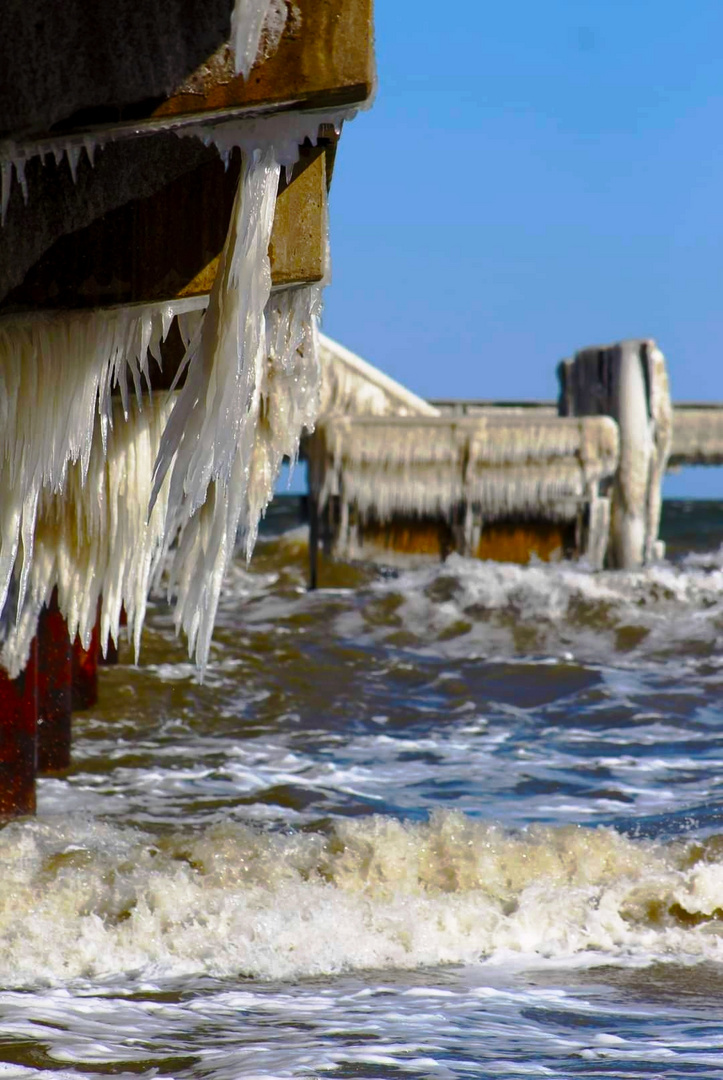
[{"x": 213, "y": 426}]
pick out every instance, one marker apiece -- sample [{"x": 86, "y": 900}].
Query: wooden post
[
  {"x": 18, "y": 739},
  {"x": 55, "y": 680},
  {"x": 85, "y": 670},
  {"x": 313, "y": 542}
]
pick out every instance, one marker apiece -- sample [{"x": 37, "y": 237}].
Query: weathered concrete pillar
[
  {"x": 55, "y": 680},
  {"x": 18, "y": 739},
  {"x": 627, "y": 381}
]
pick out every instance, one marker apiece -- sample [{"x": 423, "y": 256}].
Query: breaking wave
[
  {"x": 465, "y": 607},
  {"x": 87, "y": 900}
]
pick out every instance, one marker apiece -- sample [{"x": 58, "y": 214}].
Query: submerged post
[
  {"x": 18, "y": 739},
  {"x": 55, "y": 679}
]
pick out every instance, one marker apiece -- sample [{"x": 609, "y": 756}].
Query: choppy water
[{"x": 463, "y": 820}]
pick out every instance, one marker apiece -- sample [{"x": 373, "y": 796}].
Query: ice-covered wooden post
[{"x": 627, "y": 381}]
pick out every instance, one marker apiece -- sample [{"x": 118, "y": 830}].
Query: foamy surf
[{"x": 85, "y": 900}]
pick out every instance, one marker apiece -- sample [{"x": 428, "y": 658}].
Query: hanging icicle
[{"x": 94, "y": 538}]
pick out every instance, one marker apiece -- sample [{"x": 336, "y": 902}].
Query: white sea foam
[
  {"x": 468, "y": 607},
  {"x": 80, "y": 900}
]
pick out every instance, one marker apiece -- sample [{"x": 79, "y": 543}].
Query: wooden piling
[
  {"x": 18, "y": 739},
  {"x": 313, "y": 543},
  {"x": 85, "y": 670},
  {"x": 55, "y": 680}
]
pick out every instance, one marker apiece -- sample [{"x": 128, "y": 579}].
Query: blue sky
[{"x": 534, "y": 178}]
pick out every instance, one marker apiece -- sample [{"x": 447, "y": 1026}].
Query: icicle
[
  {"x": 213, "y": 425},
  {"x": 95, "y": 538},
  {"x": 20, "y": 170},
  {"x": 290, "y": 387},
  {"x": 90, "y": 145},
  {"x": 72, "y": 152},
  {"x": 247, "y": 22},
  {"x": 6, "y": 183}
]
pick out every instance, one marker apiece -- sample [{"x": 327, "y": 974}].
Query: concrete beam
[{"x": 168, "y": 244}]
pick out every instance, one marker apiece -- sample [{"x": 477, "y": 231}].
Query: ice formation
[
  {"x": 697, "y": 436},
  {"x": 251, "y": 386},
  {"x": 252, "y": 383},
  {"x": 247, "y": 22},
  {"x": 544, "y": 466},
  {"x": 58, "y": 422},
  {"x": 95, "y": 538},
  {"x": 629, "y": 382},
  {"x": 351, "y": 386}
]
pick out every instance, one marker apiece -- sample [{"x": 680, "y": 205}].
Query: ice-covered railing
[
  {"x": 353, "y": 387},
  {"x": 544, "y": 467}
]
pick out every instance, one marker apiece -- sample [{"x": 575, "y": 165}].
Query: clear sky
[{"x": 534, "y": 178}]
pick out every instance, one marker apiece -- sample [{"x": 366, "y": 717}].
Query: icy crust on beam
[
  {"x": 226, "y": 130},
  {"x": 501, "y": 466},
  {"x": 352, "y": 387},
  {"x": 252, "y": 384},
  {"x": 697, "y": 436},
  {"x": 95, "y": 539}
]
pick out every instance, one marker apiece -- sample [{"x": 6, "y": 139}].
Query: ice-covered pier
[
  {"x": 164, "y": 169},
  {"x": 507, "y": 480}
]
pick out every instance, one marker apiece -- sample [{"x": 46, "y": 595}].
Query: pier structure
[
  {"x": 164, "y": 172},
  {"x": 506, "y": 480},
  {"x": 390, "y": 472}
]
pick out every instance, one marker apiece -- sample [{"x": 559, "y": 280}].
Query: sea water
[{"x": 456, "y": 819}]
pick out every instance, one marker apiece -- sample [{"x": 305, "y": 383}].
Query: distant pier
[{"x": 508, "y": 480}]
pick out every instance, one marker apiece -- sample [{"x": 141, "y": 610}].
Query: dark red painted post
[
  {"x": 55, "y": 680},
  {"x": 18, "y": 739},
  {"x": 85, "y": 670}
]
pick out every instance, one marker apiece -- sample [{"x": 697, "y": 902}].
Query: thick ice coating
[
  {"x": 95, "y": 538},
  {"x": 431, "y": 465},
  {"x": 57, "y": 374}
]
